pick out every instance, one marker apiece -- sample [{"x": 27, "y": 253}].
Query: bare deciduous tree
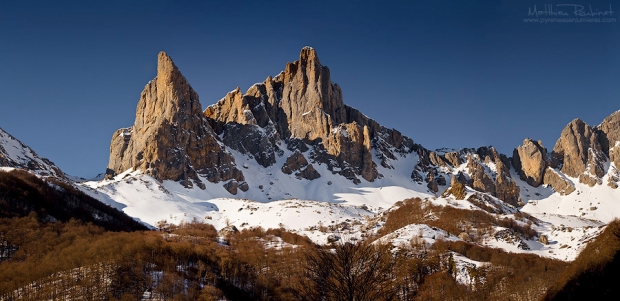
[{"x": 350, "y": 272}]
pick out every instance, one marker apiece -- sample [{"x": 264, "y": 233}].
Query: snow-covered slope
[
  {"x": 600, "y": 202},
  {"x": 275, "y": 199},
  {"x": 333, "y": 205}
]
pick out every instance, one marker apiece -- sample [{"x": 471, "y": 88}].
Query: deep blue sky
[{"x": 447, "y": 75}]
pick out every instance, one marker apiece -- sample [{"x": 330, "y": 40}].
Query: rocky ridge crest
[{"x": 303, "y": 110}]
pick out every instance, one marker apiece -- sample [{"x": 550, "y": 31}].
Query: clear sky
[{"x": 446, "y": 75}]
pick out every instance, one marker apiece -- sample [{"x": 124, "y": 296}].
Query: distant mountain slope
[
  {"x": 29, "y": 183},
  {"x": 15, "y": 154}
]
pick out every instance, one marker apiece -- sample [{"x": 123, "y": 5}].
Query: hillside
[
  {"x": 30, "y": 183},
  {"x": 593, "y": 273},
  {"x": 22, "y": 193}
]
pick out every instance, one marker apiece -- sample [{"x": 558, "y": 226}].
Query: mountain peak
[
  {"x": 303, "y": 108},
  {"x": 308, "y": 54},
  {"x": 170, "y": 138},
  {"x": 164, "y": 59},
  {"x": 579, "y": 152},
  {"x": 166, "y": 69}
]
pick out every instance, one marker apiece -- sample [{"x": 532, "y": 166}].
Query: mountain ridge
[
  {"x": 302, "y": 110},
  {"x": 290, "y": 150}
]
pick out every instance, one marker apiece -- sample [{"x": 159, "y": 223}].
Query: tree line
[{"x": 71, "y": 260}]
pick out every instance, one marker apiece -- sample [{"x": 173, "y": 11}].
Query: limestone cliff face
[
  {"x": 530, "y": 160},
  {"x": 302, "y": 109},
  {"x": 310, "y": 101},
  {"x": 171, "y": 139},
  {"x": 560, "y": 184},
  {"x": 579, "y": 153},
  {"x": 609, "y": 137}
]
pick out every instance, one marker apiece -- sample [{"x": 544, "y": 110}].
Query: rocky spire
[
  {"x": 170, "y": 138},
  {"x": 311, "y": 102}
]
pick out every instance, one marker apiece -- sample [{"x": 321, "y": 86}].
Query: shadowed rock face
[
  {"x": 171, "y": 139},
  {"x": 302, "y": 109}
]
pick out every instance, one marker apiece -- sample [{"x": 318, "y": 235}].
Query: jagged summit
[
  {"x": 582, "y": 152},
  {"x": 170, "y": 138},
  {"x": 578, "y": 150},
  {"x": 164, "y": 61},
  {"x": 304, "y": 109},
  {"x": 308, "y": 54},
  {"x": 169, "y": 75}
]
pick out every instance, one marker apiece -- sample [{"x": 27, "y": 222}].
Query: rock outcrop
[
  {"x": 497, "y": 182},
  {"x": 453, "y": 158},
  {"x": 302, "y": 109},
  {"x": 579, "y": 153},
  {"x": 171, "y": 139},
  {"x": 614, "y": 155},
  {"x": 530, "y": 161},
  {"x": 505, "y": 188},
  {"x": 432, "y": 183},
  {"x": 559, "y": 183},
  {"x": 543, "y": 239},
  {"x": 479, "y": 179},
  {"x": 457, "y": 189},
  {"x": 298, "y": 163}
]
